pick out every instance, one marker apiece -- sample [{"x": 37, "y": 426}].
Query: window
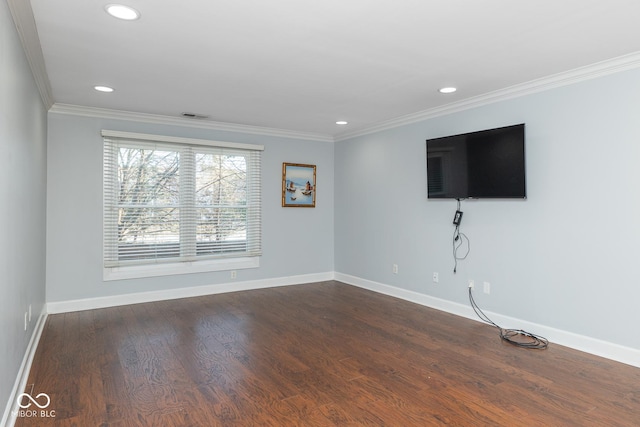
[{"x": 176, "y": 205}]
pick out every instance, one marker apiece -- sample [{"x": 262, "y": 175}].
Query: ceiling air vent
[{"x": 194, "y": 116}]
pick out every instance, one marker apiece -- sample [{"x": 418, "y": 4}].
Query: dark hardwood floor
[{"x": 320, "y": 354}]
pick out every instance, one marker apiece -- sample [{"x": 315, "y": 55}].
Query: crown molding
[
  {"x": 78, "y": 110},
  {"x": 22, "y": 15},
  {"x": 599, "y": 69}
]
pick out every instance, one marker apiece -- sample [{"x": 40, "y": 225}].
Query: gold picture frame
[{"x": 298, "y": 185}]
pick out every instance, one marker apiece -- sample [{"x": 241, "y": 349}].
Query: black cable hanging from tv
[
  {"x": 459, "y": 239},
  {"x": 517, "y": 337}
]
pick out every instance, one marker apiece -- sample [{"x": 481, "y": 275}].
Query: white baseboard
[
  {"x": 600, "y": 348},
  {"x": 11, "y": 410},
  {"x": 627, "y": 355},
  {"x": 168, "y": 294}
]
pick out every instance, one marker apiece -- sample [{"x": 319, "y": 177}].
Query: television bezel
[{"x": 479, "y": 133}]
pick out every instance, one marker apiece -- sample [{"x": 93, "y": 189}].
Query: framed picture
[{"x": 298, "y": 185}]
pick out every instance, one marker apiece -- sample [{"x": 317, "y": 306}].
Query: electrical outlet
[
  {"x": 487, "y": 287},
  {"x": 436, "y": 278},
  {"x": 395, "y": 268},
  {"x": 234, "y": 274},
  {"x": 472, "y": 284}
]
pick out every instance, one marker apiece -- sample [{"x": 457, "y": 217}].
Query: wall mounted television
[{"x": 477, "y": 165}]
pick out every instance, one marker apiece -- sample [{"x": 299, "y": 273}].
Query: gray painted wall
[
  {"x": 22, "y": 203},
  {"x": 564, "y": 258},
  {"x": 296, "y": 241}
]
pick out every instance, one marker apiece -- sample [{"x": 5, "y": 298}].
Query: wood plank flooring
[{"x": 321, "y": 354}]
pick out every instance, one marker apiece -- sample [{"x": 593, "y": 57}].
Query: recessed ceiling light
[
  {"x": 341, "y": 122},
  {"x": 121, "y": 11},
  {"x": 447, "y": 90},
  {"x": 103, "y": 89}
]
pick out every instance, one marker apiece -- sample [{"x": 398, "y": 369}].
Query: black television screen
[{"x": 484, "y": 164}]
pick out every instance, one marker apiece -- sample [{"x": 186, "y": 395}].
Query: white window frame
[{"x": 170, "y": 267}]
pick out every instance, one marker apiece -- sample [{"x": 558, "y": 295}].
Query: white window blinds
[{"x": 170, "y": 200}]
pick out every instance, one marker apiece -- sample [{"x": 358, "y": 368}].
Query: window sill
[{"x": 155, "y": 270}]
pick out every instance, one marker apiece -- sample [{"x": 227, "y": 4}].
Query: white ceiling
[{"x": 300, "y": 65}]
